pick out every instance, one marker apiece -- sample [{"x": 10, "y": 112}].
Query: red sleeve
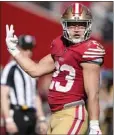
[
  {"x": 52, "y": 48},
  {"x": 94, "y": 52},
  {"x": 57, "y": 47}
]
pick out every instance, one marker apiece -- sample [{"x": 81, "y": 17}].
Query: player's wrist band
[
  {"x": 94, "y": 123},
  {"x": 14, "y": 51}
]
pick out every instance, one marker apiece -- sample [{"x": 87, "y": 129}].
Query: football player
[{"x": 75, "y": 61}]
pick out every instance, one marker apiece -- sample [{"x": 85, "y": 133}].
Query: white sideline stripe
[
  {"x": 37, "y": 10},
  {"x": 99, "y": 53},
  {"x": 102, "y": 50},
  {"x": 89, "y": 56}
]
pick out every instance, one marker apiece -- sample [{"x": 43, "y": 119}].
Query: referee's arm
[
  {"x": 5, "y": 89},
  {"x": 42, "y": 124},
  {"x": 40, "y": 113},
  {"x": 5, "y": 103},
  {"x": 5, "y": 106}
]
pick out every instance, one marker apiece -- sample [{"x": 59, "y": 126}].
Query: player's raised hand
[{"x": 11, "y": 40}]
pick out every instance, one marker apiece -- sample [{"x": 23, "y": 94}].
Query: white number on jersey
[{"x": 69, "y": 78}]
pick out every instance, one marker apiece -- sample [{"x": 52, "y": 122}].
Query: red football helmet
[{"x": 77, "y": 13}]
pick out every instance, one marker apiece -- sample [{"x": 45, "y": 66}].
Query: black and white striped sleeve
[{"x": 7, "y": 73}]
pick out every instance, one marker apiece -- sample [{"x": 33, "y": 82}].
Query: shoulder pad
[{"x": 94, "y": 50}]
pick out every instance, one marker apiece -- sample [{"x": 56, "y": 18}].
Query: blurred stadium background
[{"x": 41, "y": 19}]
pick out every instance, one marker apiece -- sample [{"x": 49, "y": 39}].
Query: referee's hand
[
  {"x": 41, "y": 128},
  {"x": 11, "y": 127}
]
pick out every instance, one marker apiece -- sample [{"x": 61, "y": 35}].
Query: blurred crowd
[
  {"x": 102, "y": 30},
  {"x": 106, "y": 101},
  {"x": 102, "y": 13}
]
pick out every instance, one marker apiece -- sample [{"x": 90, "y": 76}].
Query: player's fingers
[
  {"x": 13, "y": 40},
  {"x": 10, "y": 31},
  {"x": 16, "y": 39},
  {"x": 11, "y": 27},
  {"x": 7, "y": 29}
]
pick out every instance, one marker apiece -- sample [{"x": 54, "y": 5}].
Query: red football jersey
[{"x": 67, "y": 82}]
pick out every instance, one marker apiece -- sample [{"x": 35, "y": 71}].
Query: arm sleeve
[
  {"x": 52, "y": 48},
  {"x": 94, "y": 53},
  {"x": 7, "y": 75}
]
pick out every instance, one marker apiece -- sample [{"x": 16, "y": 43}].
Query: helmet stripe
[
  {"x": 80, "y": 9},
  {"x": 73, "y": 9},
  {"x": 77, "y": 8}
]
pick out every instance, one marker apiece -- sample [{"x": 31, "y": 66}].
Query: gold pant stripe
[
  {"x": 79, "y": 117},
  {"x": 76, "y": 127}
]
